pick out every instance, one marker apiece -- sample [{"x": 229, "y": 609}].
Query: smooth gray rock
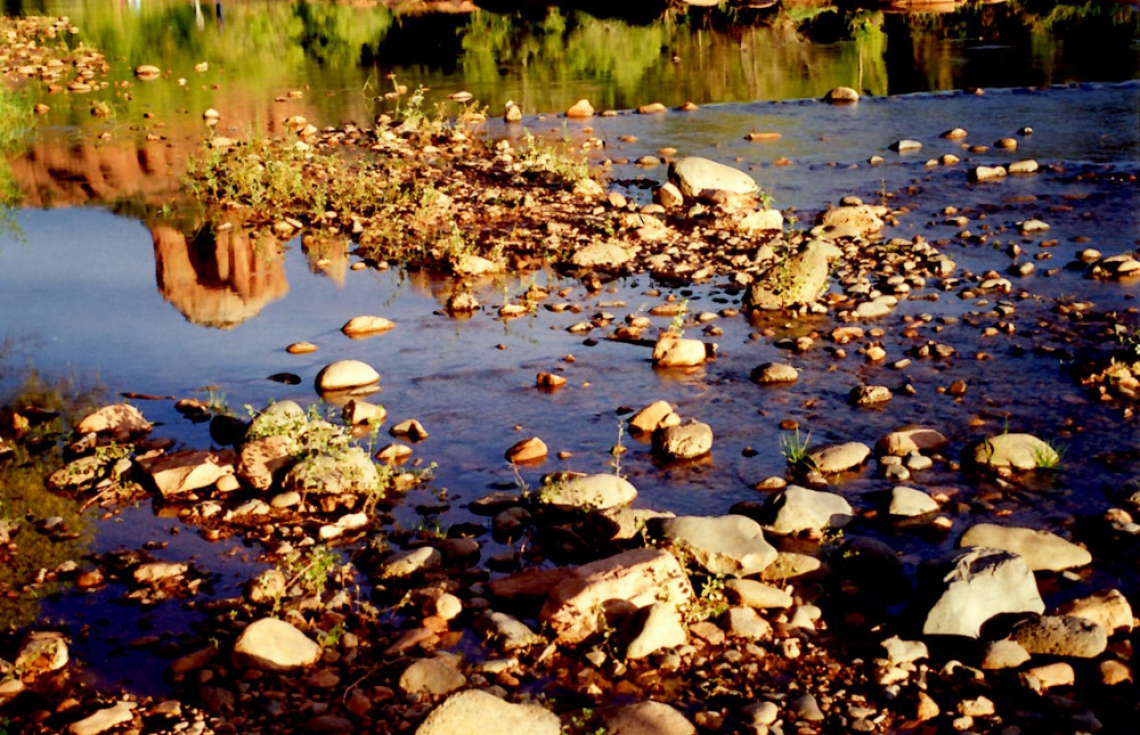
[
  {"x": 693, "y": 175},
  {"x": 274, "y": 645},
  {"x": 840, "y": 457},
  {"x": 906, "y": 502},
  {"x": 1041, "y": 550},
  {"x": 976, "y": 585},
  {"x": 661, "y": 629},
  {"x": 730, "y": 545},
  {"x": 345, "y": 375},
  {"x": 796, "y": 509}
]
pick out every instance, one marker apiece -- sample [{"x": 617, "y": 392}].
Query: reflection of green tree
[{"x": 24, "y": 496}]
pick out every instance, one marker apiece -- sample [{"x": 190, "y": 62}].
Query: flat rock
[
  {"x": 647, "y": 718},
  {"x": 346, "y": 375},
  {"x": 1061, "y": 635},
  {"x": 840, "y": 457},
  {"x": 796, "y": 509},
  {"x": 366, "y": 326},
  {"x": 183, "y": 471},
  {"x": 601, "y": 255},
  {"x": 1017, "y": 451},
  {"x": 911, "y": 439},
  {"x": 638, "y": 578},
  {"x": 906, "y": 502},
  {"x": 597, "y": 492},
  {"x": 406, "y": 563},
  {"x": 103, "y": 720},
  {"x": 977, "y": 584},
  {"x": 673, "y": 351},
  {"x": 725, "y": 545},
  {"x": 684, "y": 441},
  {"x": 757, "y": 594},
  {"x": 431, "y": 676},
  {"x": 1041, "y": 550},
  {"x": 121, "y": 421},
  {"x": 1107, "y": 608},
  {"x": 274, "y": 645},
  {"x": 775, "y": 372},
  {"x": 661, "y": 628},
  {"x": 693, "y": 175},
  {"x": 461, "y": 712}
]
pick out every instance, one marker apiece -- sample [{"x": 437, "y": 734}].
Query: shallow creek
[{"x": 107, "y": 299}]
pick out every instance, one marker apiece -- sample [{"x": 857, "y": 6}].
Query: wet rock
[
  {"x": 1107, "y": 608},
  {"x": 954, "y": 134},
  {"x": 407, "y": 563},
  {"x": 869, "y": 395},
  {"x": 796, "y": 509},
  {"x": 757, "y": 594},
  {"x": 410, "y": 429},
  {"x": 462, "y": 303},
  {"x": 262, "y": 459},
  {"x": 1018, "y": 451},
  {"x": 471, "y": 265},
  {"x": 661, "y": 628},
  {"x": 1004, "y": 654},
  {"x": 654, "y": 416},
  {"x": 105, "y": 719},
  {"x": 973, "y": 586},
  {"x": 673, "y": 351},
  {"x": 1023, "y": 167},
  {"x": 685, "y": 441},
  {"x": 1032, "y": 225},
  {"x": 694, "y": 175},
  {"x": 348, "y": 471},
  {"x": 458, "y": 714},
  {"x": 745, "y": 622},
  {"x": 274, "y": 645},
  {"x": 121, "y": 421},
  {"x": 874, "y": 309},
  {"x": 906, "y": 146},
  {"x": 358, "y": 413},
  {"x": 639, "y": 577},
  {"x": 527, "y": 451},
  {"x": 1115, "y": 267},
  {"x": 798, "y": 279},
  {"x": 986, "y": 173},
  {"x": 861, "y": 220},
  {"x": 653, "y": 108},
  {"x": 609, "y": 254},
  {"x": 906, "y": 502},
  {"x": 727, "y": 545},
  {"x": 1041, "y": 550},
  {"x": 598, "y": 492},
  {"x": 158, "y": 571},
  {"x": 647, "y": 718},
  {"x": 775, "y": 372},
  {"x": 507, "y": 632},
  {"x": 431, "y": 676},
  {"x": 187, "y": 470},
  {"x": 911, "y": 439},
  {"x": 840, "y": 457},
  {"x": 359, "y": 327},
  {"x": 346, "y": 375},
  {"x": 1061, "y": 635},
  {"x": 512, "y": 112},
  {"x": 580, "y": 109},
  {"x": 841, "y": 95},
  {"x": 42, "y": 652}
]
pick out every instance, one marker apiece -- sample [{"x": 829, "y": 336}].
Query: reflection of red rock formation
[
  {"x": 218, "y": 279},
  {"x": 55, "y": 174}
]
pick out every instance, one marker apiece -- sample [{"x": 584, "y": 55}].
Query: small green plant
[
  {"x": 677, "y": 324},
  {"x": 795, "y": 451},
  {"x": 1048, "y": 457},
  {"x": 310, "y": 571},
  {"x": 766, "y": 199},
  {"x": 711, "y": 602},
  {"x": 618, "y": 449}
]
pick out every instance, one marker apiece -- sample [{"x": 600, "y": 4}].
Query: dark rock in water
[
  {"x": 227, "y": 430},
  {"x": 286, "y": 378}
]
